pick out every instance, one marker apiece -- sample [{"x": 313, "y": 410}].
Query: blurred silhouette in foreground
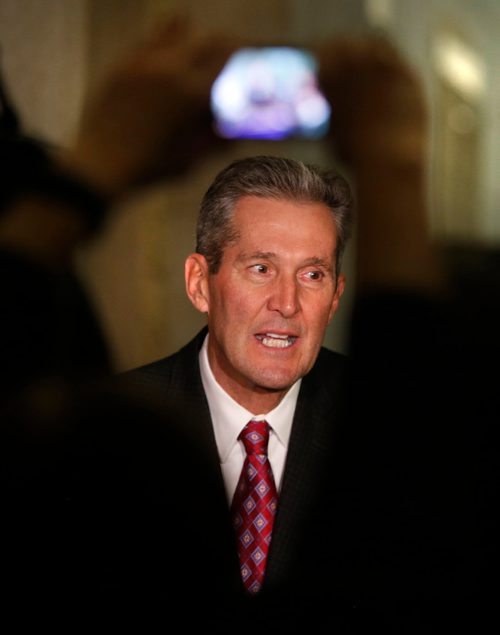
[
  {"x": 95, "y": 526},
  {"x": 421, "y": 457}
]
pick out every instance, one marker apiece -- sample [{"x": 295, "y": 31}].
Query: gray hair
[{"x": 268, "y": 177}]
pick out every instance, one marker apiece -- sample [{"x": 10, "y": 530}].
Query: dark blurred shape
[{"x": 95, "y": 527}]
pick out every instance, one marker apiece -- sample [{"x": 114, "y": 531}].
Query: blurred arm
[{"x": 379, "y": 131}]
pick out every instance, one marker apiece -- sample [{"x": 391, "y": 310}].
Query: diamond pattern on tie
[{"x": 254, "y": 506}]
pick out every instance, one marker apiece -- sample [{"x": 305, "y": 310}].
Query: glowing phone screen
[{"x": 269, "y": 93}]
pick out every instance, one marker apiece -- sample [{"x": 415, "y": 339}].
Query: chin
[{"x": 275, "y": 381}]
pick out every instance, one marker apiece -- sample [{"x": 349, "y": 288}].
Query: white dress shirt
[{"x": 229, "y": 419}]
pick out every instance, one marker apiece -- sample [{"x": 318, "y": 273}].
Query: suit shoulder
[
  {"x": 157, "y": 367},
  {"x": 332, "y": 361},
  {"x": 327, "y": 378},
  {"x": 168, "y": 371}
]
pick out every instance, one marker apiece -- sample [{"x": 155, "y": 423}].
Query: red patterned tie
[{"x": 254, "y": 505}]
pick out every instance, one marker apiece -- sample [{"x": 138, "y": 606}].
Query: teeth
[
  {"x": 274, "y": 340},
  {"x": 276, "y": 343}
]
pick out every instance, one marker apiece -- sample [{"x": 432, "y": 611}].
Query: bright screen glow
[{"x": 269, "y": 93}]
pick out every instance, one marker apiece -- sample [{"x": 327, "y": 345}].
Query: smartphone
[{"x": 269, "y": 93}]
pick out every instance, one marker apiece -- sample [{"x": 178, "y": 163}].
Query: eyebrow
[
  {"x": 270, "y": 255},
  {"x": 319, "y": 262},
  {"x": 256, "y": 255}
]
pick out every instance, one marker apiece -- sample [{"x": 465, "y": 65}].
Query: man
[{"x": 267, "y": 273}]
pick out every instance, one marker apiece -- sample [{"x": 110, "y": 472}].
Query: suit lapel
[
  {"x": 308, "y": 459},
  {"x": 186, "y": 389},
  {"x": 183, "y": 390},
  {"x": 175, "y": 384}
]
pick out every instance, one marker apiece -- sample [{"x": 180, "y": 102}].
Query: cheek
[
  {"x": 320, "y": 314},
  {"x": 229, "y": 304}
]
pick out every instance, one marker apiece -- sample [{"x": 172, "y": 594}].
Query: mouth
[{"x": 276, "y": 340}]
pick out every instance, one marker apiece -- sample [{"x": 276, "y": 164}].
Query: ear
[
  {"x": 196, "y": 278},
  {"x": 338, "y": 294}
]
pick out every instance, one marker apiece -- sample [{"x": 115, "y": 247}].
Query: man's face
[{"x": 271, "y": 300}]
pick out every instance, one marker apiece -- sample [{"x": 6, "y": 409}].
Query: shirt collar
[{"x": 229, "y": 418}]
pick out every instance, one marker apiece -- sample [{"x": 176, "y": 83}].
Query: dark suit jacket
[{"x": 305, "y": 579}]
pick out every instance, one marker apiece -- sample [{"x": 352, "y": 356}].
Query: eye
[
  {"x": 314, "y": 275},
  {"x": 259, "y": 268}
]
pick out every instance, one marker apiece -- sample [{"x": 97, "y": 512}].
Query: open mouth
[{"x": 275, "y": 340}]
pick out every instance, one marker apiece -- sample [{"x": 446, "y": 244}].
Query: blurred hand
[
  {"x": 378, "y": 105},
  {"x": 150, "y": 117},
  {"x": 379, "y": 130}
]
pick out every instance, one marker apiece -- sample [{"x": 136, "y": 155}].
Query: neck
[
  {"x": 251, "y": 396},
  {"x": 256, "y": 400}
]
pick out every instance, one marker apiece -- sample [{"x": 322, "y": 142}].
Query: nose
[{"x": 284, "y": 297}]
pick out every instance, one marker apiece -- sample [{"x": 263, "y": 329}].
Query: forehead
[{"x": 287, "y": 223}]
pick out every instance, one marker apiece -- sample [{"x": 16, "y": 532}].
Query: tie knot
[{"x": 255, "y": 436}]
